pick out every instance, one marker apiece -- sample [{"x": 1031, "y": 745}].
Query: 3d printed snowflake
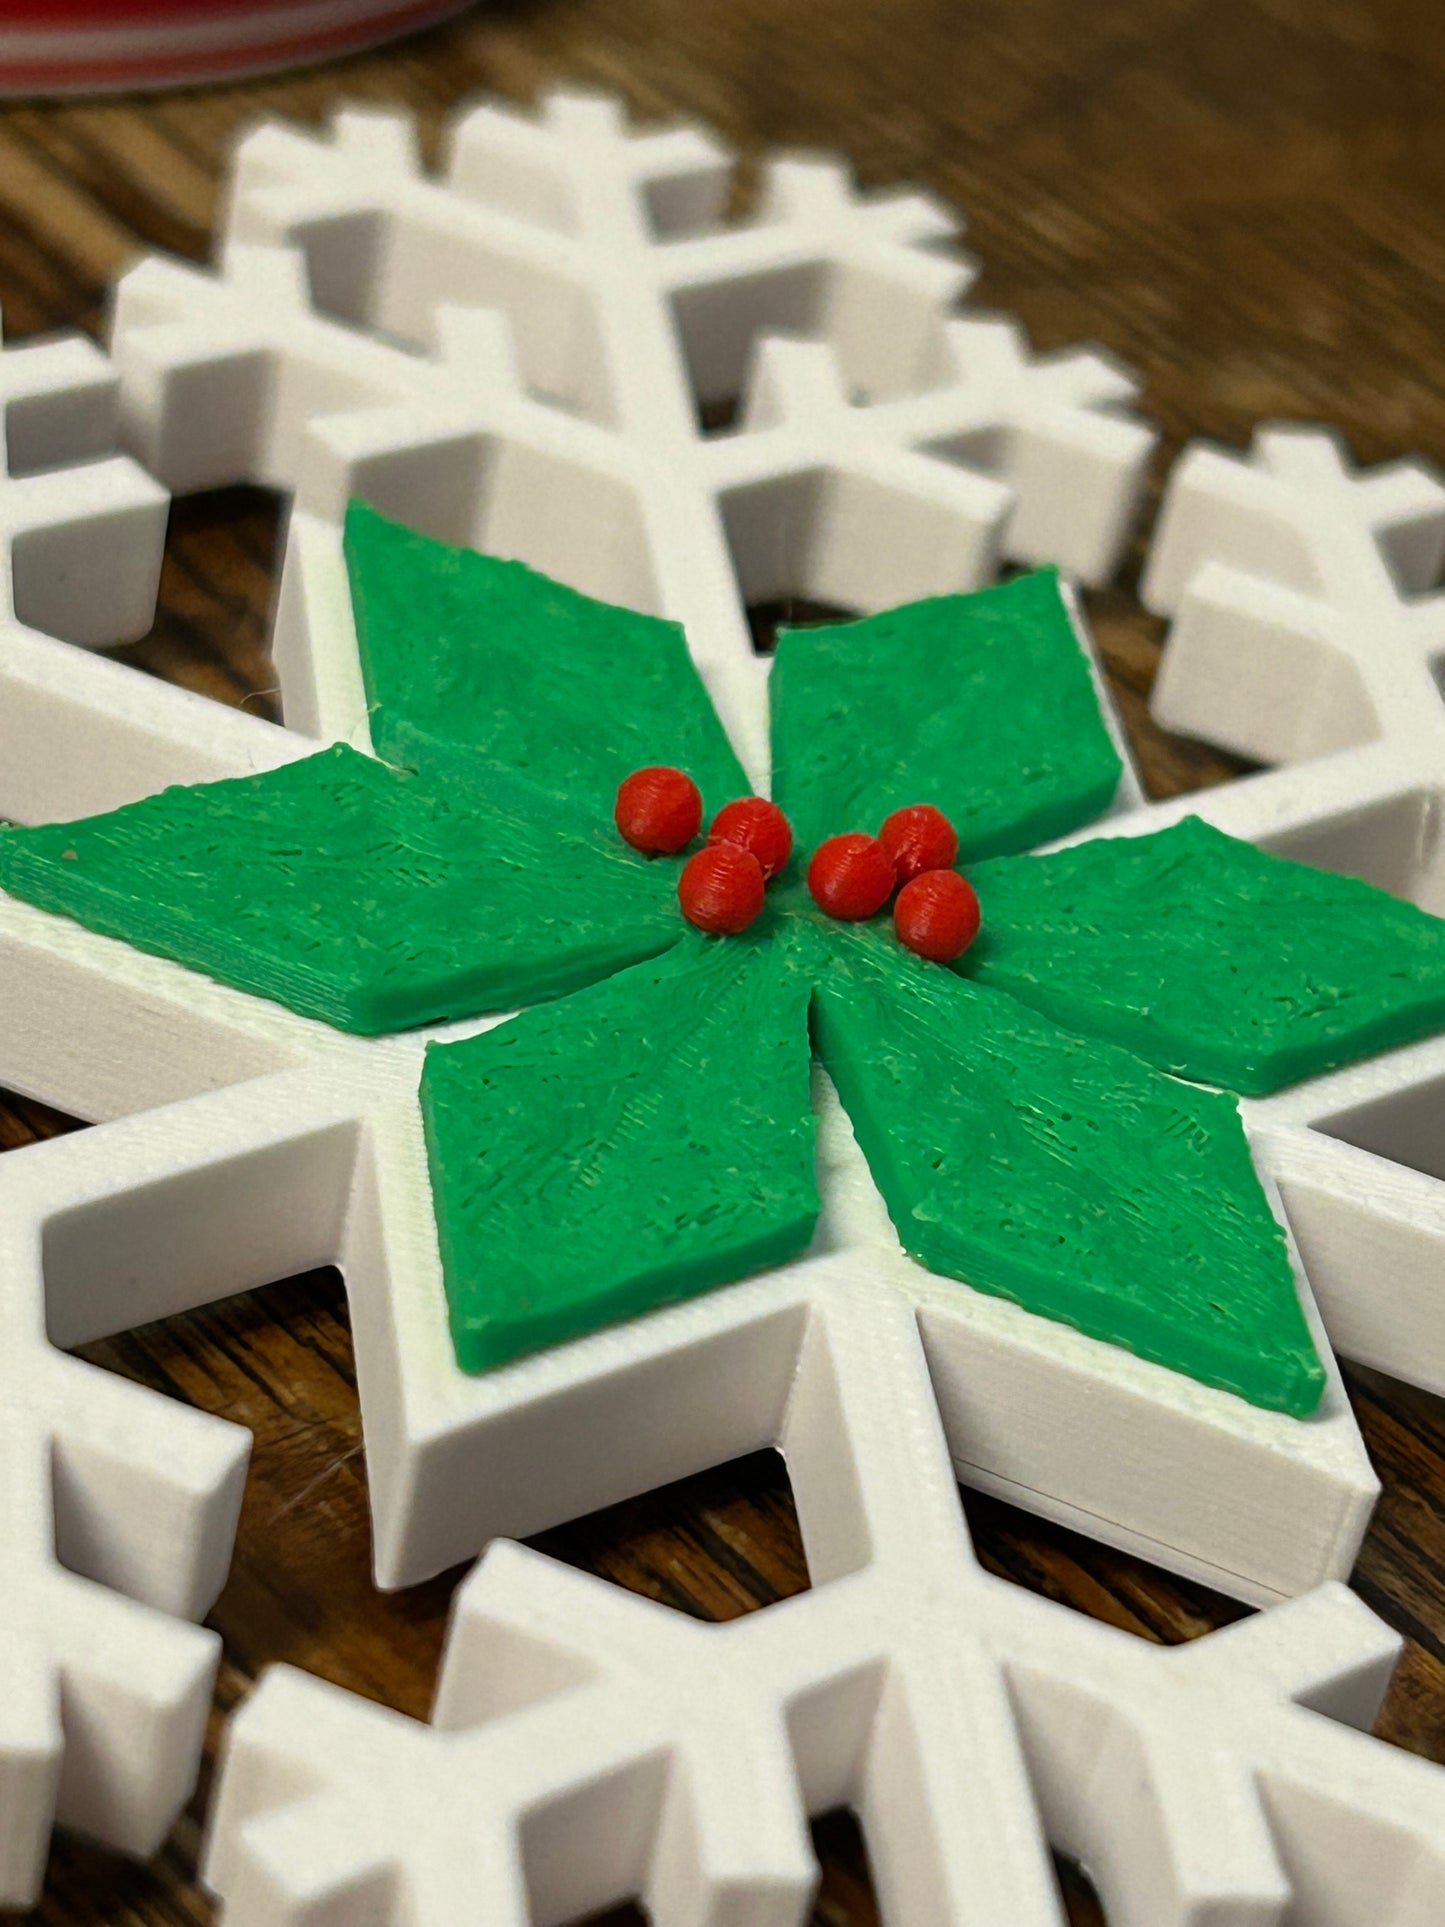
[{"x": 351, "y": 346}]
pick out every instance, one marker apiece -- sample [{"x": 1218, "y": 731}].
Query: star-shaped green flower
[{"x": 649, "y": 1134}]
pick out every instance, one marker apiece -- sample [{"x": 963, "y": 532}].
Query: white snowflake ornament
[{"x": 350, "y": 346}]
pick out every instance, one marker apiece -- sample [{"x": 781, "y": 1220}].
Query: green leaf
[
  {"x": 356, "y": 893},
  {"x": 487, "y": 654},
  {"x": 983, "y": 705},
  {"x": 1064, "y": 1175},
  {"x": 1209, "y": 957},
  {"x": 637, "y": 1144}
]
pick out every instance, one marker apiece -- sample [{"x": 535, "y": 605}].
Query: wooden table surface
[{"x": 1243, "y": 198}]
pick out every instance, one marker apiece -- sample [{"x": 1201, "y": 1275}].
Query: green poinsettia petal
[
  {"x": 983, "y": 705},
  {"x": 634, "y": 1145},
  {"x": 489, "y": 655},
  {"x": 1208, "y": 957},
  {"x": 356, "y": 893},
  {"x": 1063, "y": 1174}
]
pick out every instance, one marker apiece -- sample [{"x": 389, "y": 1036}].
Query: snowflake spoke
[
  {"x": 577, "y": 1731},
  {"x": 81, "y": 531}
]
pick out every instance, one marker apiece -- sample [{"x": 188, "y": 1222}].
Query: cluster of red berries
[
  {"x": 851, "y": 877},
  {"x": 659, "y": 811}
]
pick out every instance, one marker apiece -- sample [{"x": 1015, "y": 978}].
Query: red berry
[
  {"x": 721, "y": 889},
  {"x": 937, "y": 915},
  {"x": 919, "y": 838},
  {"x": 755, "y": 824},
  {"x": 851, "y": 876},
  {"x": 658, "y": 810}
]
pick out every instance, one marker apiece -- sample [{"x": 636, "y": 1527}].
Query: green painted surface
[
  {"x": 476, "y": 866},
  {"x": 1209, "y": 957},
  {"x": 571, "y": 693},
  {"x": 649, "y": 1139},
  {"x": 349, "y": 891},
  {"x": 981, "y": 704},
  {"x": 1063, "y": 1174},
  {"x": 641, "y": 1142}
]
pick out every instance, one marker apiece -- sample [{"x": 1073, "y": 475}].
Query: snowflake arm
[
  {"x": 963, "y": 1719},
  {"x": 1303, "y": 634},
  {"x": 1210, "y": 958},
  {"x": 982, "y": 705},
  {"x": 81, "y": 530},
  {"x": 574, "y": 227},
  {"x": 119, "y": 1507}
]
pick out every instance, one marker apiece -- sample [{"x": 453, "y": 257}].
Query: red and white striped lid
[{"x": 66, "y": 46}]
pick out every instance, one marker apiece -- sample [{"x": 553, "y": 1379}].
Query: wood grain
[{"x": 1243, "y": 198}]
